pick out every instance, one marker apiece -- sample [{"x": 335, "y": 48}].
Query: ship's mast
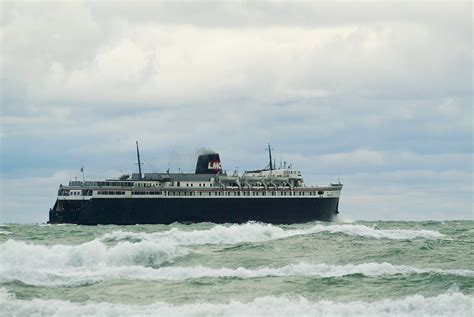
[
  {"x": 270, "y": 156},
  {"x": 139, "y": 163}
]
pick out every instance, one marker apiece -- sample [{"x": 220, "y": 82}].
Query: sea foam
[
  {"x": 73, "y": 265},
  {"x": 89, "y": 273},
  {"x": 20, "y": 254},
  {"x": 450, "y": 304},
  {"x": 258, "y": 232}
]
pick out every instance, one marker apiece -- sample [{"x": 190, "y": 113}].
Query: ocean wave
[
  {"x": 343, "y": 220},
  {"x": 299, "y": 269},
  {"x": 78, "y": 276},
  {"x": 19, "y": 254},
  {"x": 258, "y": 232},
  {"x": 450, "y": 304}
]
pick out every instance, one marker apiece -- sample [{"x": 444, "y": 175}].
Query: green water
[{"x": 399, "y": 268}]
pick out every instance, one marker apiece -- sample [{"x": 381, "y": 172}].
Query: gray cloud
[{"x": 381, "y": 92}]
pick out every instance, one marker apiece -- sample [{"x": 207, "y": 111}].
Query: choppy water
[{"x": 312, "y": 269}]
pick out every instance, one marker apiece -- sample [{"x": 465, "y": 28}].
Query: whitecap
[
  {"x": 258, "y": 232},
  {"x": 77, "y": 276},
  {"x": 19, "y": 254},
  {"x": 367, "y": 232},
  {"x": 298, "y": 269},
  {"x": 450, "y": 304}
]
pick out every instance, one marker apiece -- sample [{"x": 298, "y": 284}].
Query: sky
[{"x": 376, "y": 95}]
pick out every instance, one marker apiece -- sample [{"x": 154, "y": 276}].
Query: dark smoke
[{"x": 203, "y": 150}]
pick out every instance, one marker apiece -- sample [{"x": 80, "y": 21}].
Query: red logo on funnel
[{"x": 214, "y": 165}]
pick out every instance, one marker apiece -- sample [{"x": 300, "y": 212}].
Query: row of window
[
  {"x": 110, "y": 192},
  {"x": 146, "y": 193},
  {"x": 192, "y": 185},
  {"x": 216, "y": 193},
  {"x": 101, "y": 184},
  {"x": 178, "y": 184},
  {"x": 229, "y": 193},
  {"x": 146, "y": 185}
]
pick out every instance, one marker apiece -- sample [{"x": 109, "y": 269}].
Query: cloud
[
  {"x": 358, "y": 157},
  {"x": 112, "y": 58},
  {"x": 345, "y": 88},
  {"x": 28, "y": 199}
]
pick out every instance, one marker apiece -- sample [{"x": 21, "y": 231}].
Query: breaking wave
[
  {"x": 300, "y": 269},
  {"x": 141, "y": 256},
  {"x": 450, "y": 304},
  {"x": 257, "y": 232},
  {"x": 70, "y": 274},
  {"x": 18, "y": 254}
]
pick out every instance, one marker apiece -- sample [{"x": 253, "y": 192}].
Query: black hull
[{"x": 129, "y": 211}]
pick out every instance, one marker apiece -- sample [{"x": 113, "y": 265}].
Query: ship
[{"x": 276, "y": 195}]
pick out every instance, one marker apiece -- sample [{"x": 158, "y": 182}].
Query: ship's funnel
[{"x": 208, "y": 164}]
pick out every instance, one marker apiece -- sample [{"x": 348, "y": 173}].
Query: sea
[{"x": 346, "y": 268}]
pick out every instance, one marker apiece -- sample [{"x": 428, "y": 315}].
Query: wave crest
[
  {"x": 77, "y": 276},
  {"x": 450, "y": 304},
  {"x": 20, "y": 254},
  {"x": 258, "y": 232}
]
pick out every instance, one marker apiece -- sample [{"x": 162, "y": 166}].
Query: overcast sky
[{"x": 378, "y": 95}]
